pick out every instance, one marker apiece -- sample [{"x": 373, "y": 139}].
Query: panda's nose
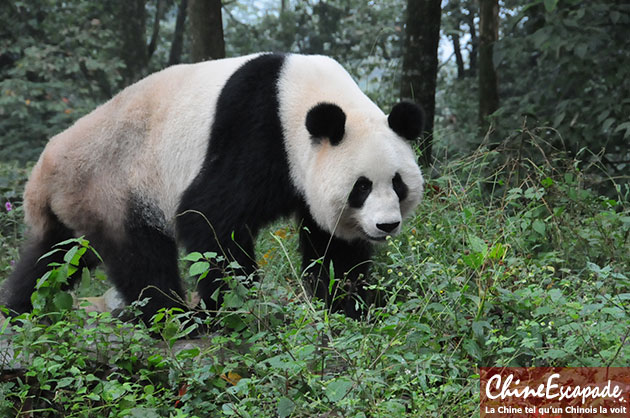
[{"x": 388, "y": 227}]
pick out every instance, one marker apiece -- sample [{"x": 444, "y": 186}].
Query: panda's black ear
[
  {"x": 326, "y": 120},
  {"x": 407, "y": 120}
]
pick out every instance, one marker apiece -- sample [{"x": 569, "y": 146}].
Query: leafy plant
[{"x": 521, "y": 265}]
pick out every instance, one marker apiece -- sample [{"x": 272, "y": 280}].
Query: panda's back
[{"x": 149, "y": 140}]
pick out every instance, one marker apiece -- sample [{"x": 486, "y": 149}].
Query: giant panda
[{"x": 203, "y": 156}]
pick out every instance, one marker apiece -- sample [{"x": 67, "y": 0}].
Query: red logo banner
[{"x": 555, "y": 392}]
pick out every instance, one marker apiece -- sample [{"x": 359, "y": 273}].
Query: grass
[{"x": 505, "y": 263}]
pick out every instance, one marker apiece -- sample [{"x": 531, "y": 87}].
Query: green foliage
[
  {"x": 12, "y": 180},
  {"x": 50, "y": 297},
  {"x": 517, "y": 256},
  {"x": 563, "y": 65},
  {"x": 528, "y": 253},
  {"x": 74, "y": 363},
  {"x": 57, "y": 64},
  {"x": 563, "y": 72},
  {"x": 58, "y": 61},
  {"x": 519, "y": 266}
]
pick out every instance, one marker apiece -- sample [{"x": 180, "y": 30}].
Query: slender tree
[
  {"x": 458, "y": 55},
  {"x": 159, "y": 11},
  {"x": 175, "y": 54},
  {"x": 420, "y": 63},
  {"x": 474, "y": 40},
  {"x": 488, "y": 35},
  {"x": 131, "y": 20},
  {"x": 206, "y": 30},
  {"x": 452, "y": 18}
]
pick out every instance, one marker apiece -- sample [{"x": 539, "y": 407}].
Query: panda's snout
[{"x": 388, "y": 227}]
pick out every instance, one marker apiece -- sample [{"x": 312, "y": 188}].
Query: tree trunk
[
  {"x": 131, "y": 26},
  {"x": 420, "y": 63},
  {"x": 458, "y": 56},
  {"x": 159, "y": 7},
  {"x": 206, "y": 30},
  {"x": 474, "y": 42},
  {"x": 175, "y": 55},
  {"x": 488, "y": 35}
]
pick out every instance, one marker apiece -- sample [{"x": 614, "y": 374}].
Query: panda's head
[{"x": 362, "y": 179}]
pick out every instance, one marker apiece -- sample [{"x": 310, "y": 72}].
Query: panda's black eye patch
[
  {"x": 400, "y": 187},
  {"x": 360, "y": 191}
]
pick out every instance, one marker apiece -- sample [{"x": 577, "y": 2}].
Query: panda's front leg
[
  {"x": 350, "y": 267},
  {"x": 233, "y": 245},
  {"x": 235, "y": 258}
]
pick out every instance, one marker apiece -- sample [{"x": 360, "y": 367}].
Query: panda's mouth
[{"x": 375, "y": 239}]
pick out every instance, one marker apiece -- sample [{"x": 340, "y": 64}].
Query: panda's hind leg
[
  {"x": 143, "y": 263},
  {"x": 16, "y": 290}
]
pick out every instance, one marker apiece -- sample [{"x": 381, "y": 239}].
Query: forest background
[{"x": 519, "y": 255}]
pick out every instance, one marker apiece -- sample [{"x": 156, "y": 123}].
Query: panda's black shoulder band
[
  {"x": 326, "y": 120},
  {"x": 407, "y": 120}
]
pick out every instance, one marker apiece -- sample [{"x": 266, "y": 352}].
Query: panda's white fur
[
  {"x": 86, "y": 173},
  {"x": 325, "y": 173},
  {"x": 125, "y": 174}
]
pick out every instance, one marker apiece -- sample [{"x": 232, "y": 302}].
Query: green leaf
[
  {"x": 614, "y": 16},
  {"x": 331, "y": 274},
  {"x": 338, "y": 389},
  {"x": 48, "y": 254},
  {"x": 170, "y": 330},
  {"x": 555, "y": 295},
  {"x": 194, "y": 256},
  {"x": 547, "y": 182},
  {"x": 69, "y": 256},
  {"x": 142, "y": 412},
  {"x": 63, "y": 301},
  {"x": 497, "y": 252},
  {"x": 471, "y": 347},
  {"x": 199, "y": 268},
  {"x": 285, "y": 407},
  {"x": 155, "y": 360},
  {"x": 554, "y": 353},
  {"x": 477, "y": 245},
  {"x": 474, "y": 260},
  {"x": 86, "y": 280},
  {"x": 543, "y": 310},
  {"x": 93, "y": 396},
  {"x": 393, "y": 408},
  {"x": 228, "y": 409},
  {"x": 621, "y": 127},
  {"x": 43, "y": 281},
  {"x": 191, "y": 352},
  {"x": 234, "y": 265},
  {"x": 581, "y": 50},
  {"x": 232, "y": 300},
  {"x": 79, "y": 241},
  {"x": 64, "y": 382},
  {"x": 478, "y": 326},
  {"x": 558, "y": 119},
  {"x": 550, "y": 5},
  {"x": 607, "y": 124},
  {"x": 539, "y": 226}
]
